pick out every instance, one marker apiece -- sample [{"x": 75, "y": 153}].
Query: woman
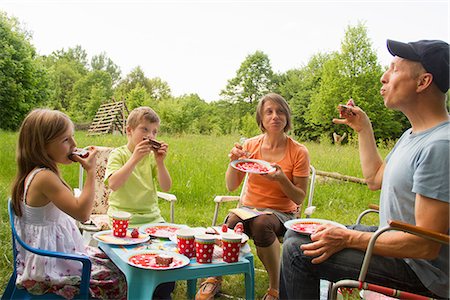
[{"x": 279, "y": 192}]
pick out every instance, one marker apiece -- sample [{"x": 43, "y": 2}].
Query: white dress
[{"x": 51, "y": 229}]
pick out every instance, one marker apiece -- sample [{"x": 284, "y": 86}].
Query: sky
[{"x": 197, "y": 46}]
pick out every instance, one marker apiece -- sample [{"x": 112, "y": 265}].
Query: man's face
[{"x": 400, "y": 83}]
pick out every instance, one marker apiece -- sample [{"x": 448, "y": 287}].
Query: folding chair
[
  {"x": 13, "y": 292},
  {"x": 99, "y": 220},
  {"x": 308, "y": 211},
  {"x": 362, "y": 284}
]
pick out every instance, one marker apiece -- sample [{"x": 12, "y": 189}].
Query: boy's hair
[
  {"x": 139, "y": 114},
  {"x": 40, "y": 127},
  {"x": 278, "y": 99}
]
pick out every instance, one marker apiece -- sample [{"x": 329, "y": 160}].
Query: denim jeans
[{"x": 300, "y": 279}]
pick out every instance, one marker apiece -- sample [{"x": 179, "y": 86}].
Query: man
[{"x": 414, "y": 182}]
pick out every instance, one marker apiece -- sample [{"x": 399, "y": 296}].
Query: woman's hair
[
  {"x": 278, "y": 99},
  {"x": 142, "y": 113},
  {"x": 39, "y": 128}
]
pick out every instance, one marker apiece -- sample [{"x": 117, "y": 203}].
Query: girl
[{"x": 46, "y": 208}]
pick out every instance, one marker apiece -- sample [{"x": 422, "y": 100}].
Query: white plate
[
  {"x": 148, "y": 261},
  {"x": 237, "y": 163},
  {"x": 307, "y": 226},
  {"x": 107, "y": 237},
  {"x": 161, "y": 230}
]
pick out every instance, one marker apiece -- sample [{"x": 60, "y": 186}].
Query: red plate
[
  {"x": 161, "y": 230},
  {"x": 146, "y": 260}
]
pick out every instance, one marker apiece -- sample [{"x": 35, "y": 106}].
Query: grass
[{"x": 197, "y": 165}]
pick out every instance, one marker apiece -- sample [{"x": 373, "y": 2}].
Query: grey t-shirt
[{"x": 419, "y": 164}]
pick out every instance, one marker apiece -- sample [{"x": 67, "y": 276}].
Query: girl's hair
[
  {"x": 40, "y": 127},
  {"x": 278, "y": 99},
  {"x": 142, "y": 113}
]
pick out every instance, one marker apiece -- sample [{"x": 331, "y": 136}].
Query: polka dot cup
[
  {"x": 120, "y": 220},
  {"x": 231, "y": 247},
  {"x": 186, "y": 242},
  {"x": 204, "y": 248}
]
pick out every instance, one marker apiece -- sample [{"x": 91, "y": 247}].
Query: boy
[
  {"x": 132, "y": 172},
  {"x": 132, "y": 169}
]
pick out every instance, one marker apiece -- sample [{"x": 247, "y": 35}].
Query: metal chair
[
  {"x": 12, "y": 292},
  {"x": 362, "y": 284},
  {"x": 99, "y": 220},
  {"x": 308, "y": 211}
]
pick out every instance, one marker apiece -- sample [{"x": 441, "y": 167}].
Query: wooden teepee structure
[{"x": 111, "y": 117}]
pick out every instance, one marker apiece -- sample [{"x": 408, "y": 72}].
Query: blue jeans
[{"x": 300, "y": 279}]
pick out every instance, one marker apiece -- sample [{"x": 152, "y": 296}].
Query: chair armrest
[
  {"x": 76, "y": 192},
  {"x": 374, "y": 206},
  {"x": 167, "y": 196},
  {"x": 220, "y": 199},
  {"x": 420, "y": 231}
]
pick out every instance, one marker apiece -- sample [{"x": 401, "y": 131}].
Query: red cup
[
  {"x": 204, "y": 248},
  {"x": 231, "y": 247},
  {"x": 186, "y": 242},
  {"x": 120, "y": 220}
]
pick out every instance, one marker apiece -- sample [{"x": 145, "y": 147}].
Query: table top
[{"x": 125, "y": 251}]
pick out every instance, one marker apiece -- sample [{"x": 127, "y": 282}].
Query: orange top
[{"x": 264, "y": 193}]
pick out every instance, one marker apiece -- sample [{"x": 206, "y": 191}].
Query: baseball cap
[{"x": 432, "y": 54}]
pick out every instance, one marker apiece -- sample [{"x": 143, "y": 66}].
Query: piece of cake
[{"x": 163, "y": 260}]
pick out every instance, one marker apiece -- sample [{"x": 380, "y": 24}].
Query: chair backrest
[
  {"x": 86, "y": 268},
  {"x": 102, "y": 191}
]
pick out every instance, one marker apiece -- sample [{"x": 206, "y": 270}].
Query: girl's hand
[
  {"x": 88, "y": 163},
  {"x": 161, "y": 153}
]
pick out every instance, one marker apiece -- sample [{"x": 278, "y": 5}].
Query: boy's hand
[
  {"x": 161, "y": 153},
  {"x": 141, "y": 150}
]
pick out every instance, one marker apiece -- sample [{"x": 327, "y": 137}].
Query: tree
[
  {"x": 23, "y": 79},
  {"x": 253, "y": 80},
  {"x": 103, "y": 63},
  {"x": 352, "y": 73},
  {"x": 297, "y": 86}
]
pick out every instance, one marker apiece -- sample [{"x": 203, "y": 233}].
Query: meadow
[{"x": 197, "y": 164}]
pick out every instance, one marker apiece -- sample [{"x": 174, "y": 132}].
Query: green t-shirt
[{"x": 138, "y": 194}]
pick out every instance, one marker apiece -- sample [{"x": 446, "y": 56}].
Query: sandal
[
  {"x": 271, "y": 294},
  {"x": 209, "y": 288}
]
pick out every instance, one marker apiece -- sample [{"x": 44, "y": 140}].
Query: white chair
[
  {"x": 308, "y": 211},
  {"x": 99, "y": 220}
]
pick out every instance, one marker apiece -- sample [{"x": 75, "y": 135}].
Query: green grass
[{"x": 197, "y": 165}]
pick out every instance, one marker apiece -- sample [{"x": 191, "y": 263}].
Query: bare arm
[
  {"x": 48, "y": 187},
  {"x": 430, "y": 214},
  {"x": 295, "y": 189},
  {"x": 371, "y": 162},
  {"x": 164, "y": 179},
  {"x": 233, "y": 177}
]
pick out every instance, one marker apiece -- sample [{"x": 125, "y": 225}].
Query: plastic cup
[
  {"x": 231, "y": 246},
  {"x": 204, "y": 248},
  {"x": 120, "y": 220},
  {"x": 186, "y": 242}
]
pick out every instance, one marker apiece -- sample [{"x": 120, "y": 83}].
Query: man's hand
[{"x": 327, "y": 240}]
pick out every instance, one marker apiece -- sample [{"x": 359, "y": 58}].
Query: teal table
[{"x": 142, "y": 282}]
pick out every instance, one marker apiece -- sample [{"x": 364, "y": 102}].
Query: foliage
[
  {"x": 103, "y": 63},
  {"x": 253, "y": 79},
  {"x": 23, "y": 80}
]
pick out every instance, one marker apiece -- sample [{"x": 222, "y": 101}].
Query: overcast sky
[{"x": 196, "y": 46}]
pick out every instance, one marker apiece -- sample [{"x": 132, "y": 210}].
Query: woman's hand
[
  {"x": 237, "y": 152},
  {"x": 276, "y": 174}
]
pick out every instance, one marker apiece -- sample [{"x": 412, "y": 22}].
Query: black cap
[{"x": 432, "y": 54}]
